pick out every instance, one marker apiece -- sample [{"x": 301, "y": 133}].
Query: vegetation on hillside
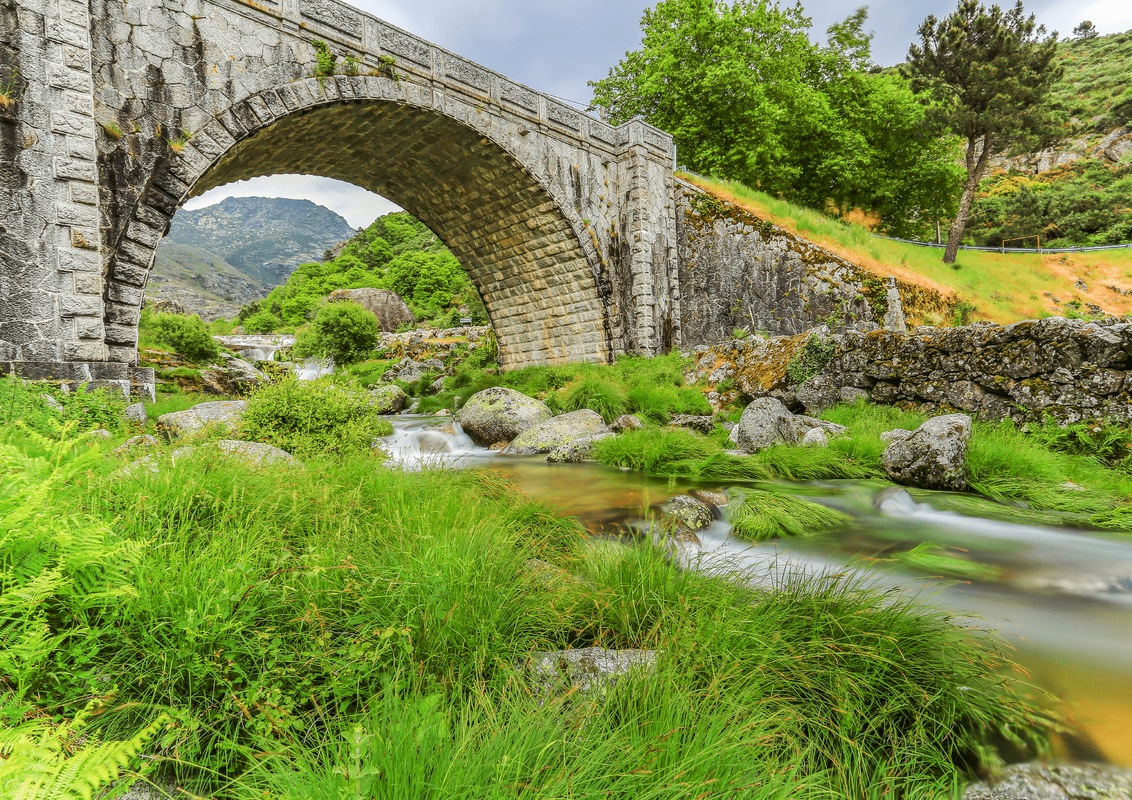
[
  {"x": 749, "y": 97},
  {"x": 397, "y": 252},
  {"x": 1096, "y": 89},
  {"x": 1001, "y": 288}
]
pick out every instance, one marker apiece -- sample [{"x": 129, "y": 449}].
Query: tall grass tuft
[
  {"x": 765, "y": 515},
  {"x": 597, "y": 394},
  {"x": 676, "y": 452}
]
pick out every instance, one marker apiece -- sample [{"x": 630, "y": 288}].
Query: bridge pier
[{"x": 125, "y": 111}]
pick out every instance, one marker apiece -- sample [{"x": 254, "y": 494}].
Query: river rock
[
  {"x": 626, "y": 422},
  {"x": 586, "y": 670},
  {"x": 226, "y": 414},
  {"x": 135, "y": 414},
  {"x": 387, "y": 399},
  {"x": 499, "y": 415},
  {"x": 235, "y": 376},
  {"x": 815, "y": 437},
  {"x": 700, "y": 424},
  {"x": 576, "y": 450},
  {"x": 1055, "y": 782},
  {"x": 761, "y": 425},
  {"x": 934, "y": 456},
  {"x": 391, "y": 311},
  {"x": 710, "y": 497},
  {"x": 555, "y": 432},
  {"x": 437, "y": 386},
  {"x": 689, "y": 512},
  {"x": 411, "y": 372}
]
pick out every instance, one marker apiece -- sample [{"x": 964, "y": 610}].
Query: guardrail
[{"x": 1038, "y": 250}]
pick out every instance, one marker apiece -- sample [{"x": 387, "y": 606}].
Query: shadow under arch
[{"x": 533, "y": 269}]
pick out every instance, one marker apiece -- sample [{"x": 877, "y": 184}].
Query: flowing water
[{"x": 1061, "y": 598}]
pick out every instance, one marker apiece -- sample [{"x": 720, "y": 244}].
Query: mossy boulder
[
  {"x": 387, "y": 399},
  {"x": 556, "y": 432},
  {"x": 225, "y": 414},
  {"x": 499, "y": 415}
]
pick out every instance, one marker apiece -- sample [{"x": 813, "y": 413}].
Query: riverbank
[{"x": 336, "y": 625}]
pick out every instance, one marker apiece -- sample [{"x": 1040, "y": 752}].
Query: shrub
[
  {"x": 345, "y": 332},
  {"x": 188, "y": 335},
  {"x": 262, "y": 322},
  {"x": 310, "y": 417},
  {"x": 810, "y": 360}
]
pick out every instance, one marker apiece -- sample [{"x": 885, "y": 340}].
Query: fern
[
  {"x": 39, "y": 760},
  {"x": 61, "y": 568}
]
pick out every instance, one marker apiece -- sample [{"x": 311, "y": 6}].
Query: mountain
[{"x": 215, "y": 259}]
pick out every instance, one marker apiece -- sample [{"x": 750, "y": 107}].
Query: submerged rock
[
  {"x": 689, "y": 512},
  {"x": 934, "y": 456},
  {"x": 226, "y": 414},
  {"x": 556, "y": 432},
  {"x": 1055, "y": 782},
  {"x": 499, "y": 414}
]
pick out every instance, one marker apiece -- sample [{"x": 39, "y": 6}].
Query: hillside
[
  {"x": 1001, "y": 288},
  {"x": 216, "y": 259}
]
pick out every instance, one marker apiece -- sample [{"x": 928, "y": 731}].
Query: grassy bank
[
  {"x": 339, "y": 629},
  {"x": 1003, "y": 288}
]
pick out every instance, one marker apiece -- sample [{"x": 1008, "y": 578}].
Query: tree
[
  {"x": 749, "y": 97},
  {"x": 1086, "y": 30},
  {"x": 985, "y": 74},
  {"x": 345, "y": 332}
]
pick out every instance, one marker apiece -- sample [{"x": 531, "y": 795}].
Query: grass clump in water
[
  {"x": 657, "y": 451},
  {"x": 765, "y": 515}
]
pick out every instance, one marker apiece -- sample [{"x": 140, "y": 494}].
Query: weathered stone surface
[
  {"x": 133, "y": 444},
  {"x": 625, "y": 422},
  {"x": 765, "y": 422},
  {"x": 222, "y": 413},
  {"x": 499, "y": 415},
  {"x": 934, "y": 456},
  {"x": 557, "y": 431},
  {"x": 1055, "y": 782},
  {"x": 135, "y": 413},
  {"x": 254, "y": 453},
  {"x": 387, "y": 399},
  {"x": 576, "y": 450},
  {"x": 700, "y": 424},
  {"x": 815, "y": 437},
  {"x": 689, "y": 512},
  {"x": 587, "y": 670}
]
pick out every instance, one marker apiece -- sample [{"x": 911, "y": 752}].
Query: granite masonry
[{"x": 120, "y": 112}]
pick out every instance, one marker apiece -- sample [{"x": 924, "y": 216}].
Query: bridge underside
[{"x": 519, "y": 250}]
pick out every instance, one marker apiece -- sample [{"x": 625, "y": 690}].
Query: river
[{"x": 1060, "y": 598}]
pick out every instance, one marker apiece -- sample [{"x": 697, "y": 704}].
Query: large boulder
[
  {"x": 234, "y": 377},
  {"x": 767, "y": 421},
  {"x": 554, "y": 433},
  {"x": 390, "y": 310},
  {"x": 499, "y": 415},
  {"x": 226, "y": 414},
  {"x": 934, "y": 456},
  {"x": 387, "y": 399}
]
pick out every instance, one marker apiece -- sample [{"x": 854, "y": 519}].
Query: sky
[{"x": 557, "y": 47}]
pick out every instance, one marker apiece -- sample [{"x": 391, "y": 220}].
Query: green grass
[
  {"x": 346, "y": 630},
  {"x": 659, "y": 451},
  {"x": 765, "y": 515}
]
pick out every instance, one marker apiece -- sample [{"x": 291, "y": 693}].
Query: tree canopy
[
  {"x": 984, "y": 74},
  {"x": 749, "y": 97}
]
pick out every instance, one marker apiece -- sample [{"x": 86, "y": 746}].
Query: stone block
[
  {"x": 87, "y": 283},
  {"x": 80, "y": 305},
  {"x": 120, "y": 293},
  {"x": 76, "y": 215},
  {"x": 122, "y": 335},
  {"x": 63, "y": 77},
  {"x": 85, "y": 238},
  {"x": 121, "y": 314},
  {"x": 68, "y": 34},
  {"x": 130, "y": 273},
  {"x": 68, "y": 122},
  {"x": 88, "y": 328},
  {"x": 71, "y": 260},
  {"x": 122, "y": 354},
  {"x": 143, "y": 234},
  {"x": 83, "y": 193},
  {"x": 79, "y": 103},
  {"x": 82, "y": 147},
  {"x": 135, "y": 253},
  {"x": 85, "y": 351}
]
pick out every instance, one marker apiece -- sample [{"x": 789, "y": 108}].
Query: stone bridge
[{"x": 117, "y": 112}]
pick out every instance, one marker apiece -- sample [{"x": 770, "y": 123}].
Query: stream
[{"x": 1060, "y": 598}]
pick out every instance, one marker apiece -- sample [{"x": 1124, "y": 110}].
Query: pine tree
[{"x": 985, "y": 73}]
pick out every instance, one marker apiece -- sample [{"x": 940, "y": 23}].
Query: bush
[
  {"x": 188, "y": 335},
  {"x": 345, "y": 332},
  {"x": 310, "y": 417}
]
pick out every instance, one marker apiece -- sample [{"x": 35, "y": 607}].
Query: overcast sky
[{"x": 556, "y": 47}]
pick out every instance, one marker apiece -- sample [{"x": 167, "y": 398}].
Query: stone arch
[{"x": 465, "y": 173}]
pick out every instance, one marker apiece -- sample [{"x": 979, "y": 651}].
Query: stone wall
[
  {"x": 740, "y": 271},
  {"x": 1068, "y": 369}
]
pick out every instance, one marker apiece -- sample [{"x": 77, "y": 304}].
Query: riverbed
[{"x": 1059, "y": 598}]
